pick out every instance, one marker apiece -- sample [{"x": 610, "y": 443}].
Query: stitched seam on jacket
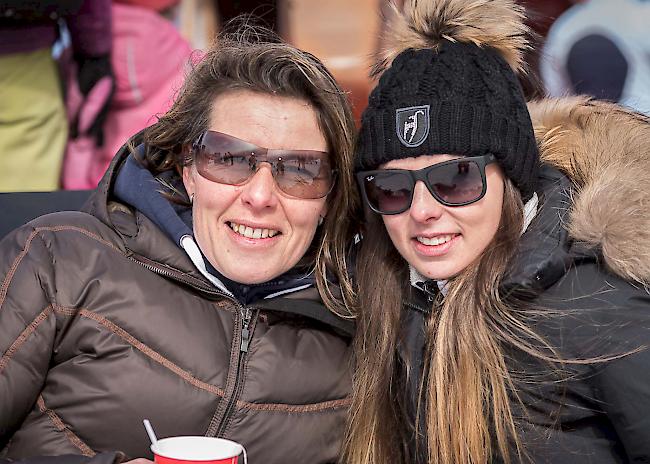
[
  {"x": 60, "y": 426},
  {"x": 225, "y": 305},
  {"x": 268, "y": 407},
  {"x": 295, "y": 408},
  {"x": 22, "y": 338},
  {"x": 14, "y": 266},
  {"x": 275, "y": 407},
  {"x": 151, "y": 353}
]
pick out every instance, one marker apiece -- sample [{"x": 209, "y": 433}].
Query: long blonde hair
[{"x": 468, "y": 390}]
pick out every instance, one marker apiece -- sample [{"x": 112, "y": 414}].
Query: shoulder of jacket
[
  {"x": 604, "y": 149},
  {"x": 73, "y": 228},
  {"x": 588, "y": 285}
]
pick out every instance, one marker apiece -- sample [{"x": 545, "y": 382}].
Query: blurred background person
[
  {"x": 33, "y": 128},
  {"x": 149, "y": 60},
  {"x": 601, "y": 48},
  {"x": 343, "y": 34}
]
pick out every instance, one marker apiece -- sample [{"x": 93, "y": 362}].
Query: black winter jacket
[{"x": 577, "y": 260}]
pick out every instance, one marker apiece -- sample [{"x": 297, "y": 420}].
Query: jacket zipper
[
  {"x": 178, "y": 276},
  {"x": 245, "y": 334},
  {"x": 246, "y": 318}
]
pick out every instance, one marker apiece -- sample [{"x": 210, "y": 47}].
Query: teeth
[
  {"x": 249, "y": 232},
  {"x": 439, "y": 240}
]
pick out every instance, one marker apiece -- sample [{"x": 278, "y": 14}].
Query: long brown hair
[
  {"x": 249, "y": 57},
  {"x": 468, "y": 388}
]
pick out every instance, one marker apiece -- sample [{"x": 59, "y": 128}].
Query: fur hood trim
[
  {"x": 497, "y": 24},
  {"x": 605, "y": 150}
]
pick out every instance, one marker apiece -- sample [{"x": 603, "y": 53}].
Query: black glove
[{"x": 97, "y": 85}]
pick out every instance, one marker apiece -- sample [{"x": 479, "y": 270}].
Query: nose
[
  {"x": 260, "y": 191},
  {"x": 424, "y": 207}
]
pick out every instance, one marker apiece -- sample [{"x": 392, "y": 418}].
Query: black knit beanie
[{"x": 458, "y": 99}]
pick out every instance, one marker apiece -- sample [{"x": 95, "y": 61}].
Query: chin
[
  {"x": 434, "y": 272},
  {"x": 259, "y": 280},
  {"x": 248, "y": 278}
]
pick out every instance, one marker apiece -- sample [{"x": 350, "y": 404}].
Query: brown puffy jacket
[{"x": 104, "y": 322}]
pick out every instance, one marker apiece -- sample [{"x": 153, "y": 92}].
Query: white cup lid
[{"x": 196, "y": 448}]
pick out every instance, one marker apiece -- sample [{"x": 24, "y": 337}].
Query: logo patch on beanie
[{"x": 412, "y": 125}]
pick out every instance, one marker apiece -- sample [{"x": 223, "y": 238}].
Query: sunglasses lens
[
  {"x": 304, "y": 174},
  {"x": 388, "y": 192},
  {"x": 457, "y": 183},
  {"x": 228, "y": 160},
  {"x": 224, "y": 159}
]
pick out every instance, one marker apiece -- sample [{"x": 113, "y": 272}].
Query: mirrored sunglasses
[
  {"x": 457, "y": 182},
  {"x": 225, "y": 159}
]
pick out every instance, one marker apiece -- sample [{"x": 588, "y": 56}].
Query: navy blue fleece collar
[{"x": 137, "y": 187}]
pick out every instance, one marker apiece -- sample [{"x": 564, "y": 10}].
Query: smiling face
[
  {"x": 252, "y": 233},
  {"x": 440, "y": 241}
]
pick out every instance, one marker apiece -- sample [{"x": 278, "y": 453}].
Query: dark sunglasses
[
  {"x": 225, "y": 159},
  {"x": 457, "y": 182}
]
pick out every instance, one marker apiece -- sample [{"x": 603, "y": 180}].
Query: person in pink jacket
[{"x": 149, "y": 59}]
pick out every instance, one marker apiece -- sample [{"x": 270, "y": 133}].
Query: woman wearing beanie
[{"x": 501, "y": 279}]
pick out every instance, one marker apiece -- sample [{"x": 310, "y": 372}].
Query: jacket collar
[
  {"x": 544, "y": 251},
  {"x": 604, "y": 149},
  {"x": 139, "y": 234}
]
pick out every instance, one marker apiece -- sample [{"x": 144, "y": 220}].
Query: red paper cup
[{"x": 203, "y": 450}]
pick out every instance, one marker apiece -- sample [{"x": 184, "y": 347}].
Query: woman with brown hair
[
  {"x": 192, "y": 290},
  {"x": 501, "y": 297}
]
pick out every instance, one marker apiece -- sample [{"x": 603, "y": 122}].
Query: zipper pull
[
  {"x": 431, "y": 289},
  {"x": 245, "y": 332}
]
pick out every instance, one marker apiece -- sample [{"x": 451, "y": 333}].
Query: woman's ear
[{"x": 188, "y": 180}]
